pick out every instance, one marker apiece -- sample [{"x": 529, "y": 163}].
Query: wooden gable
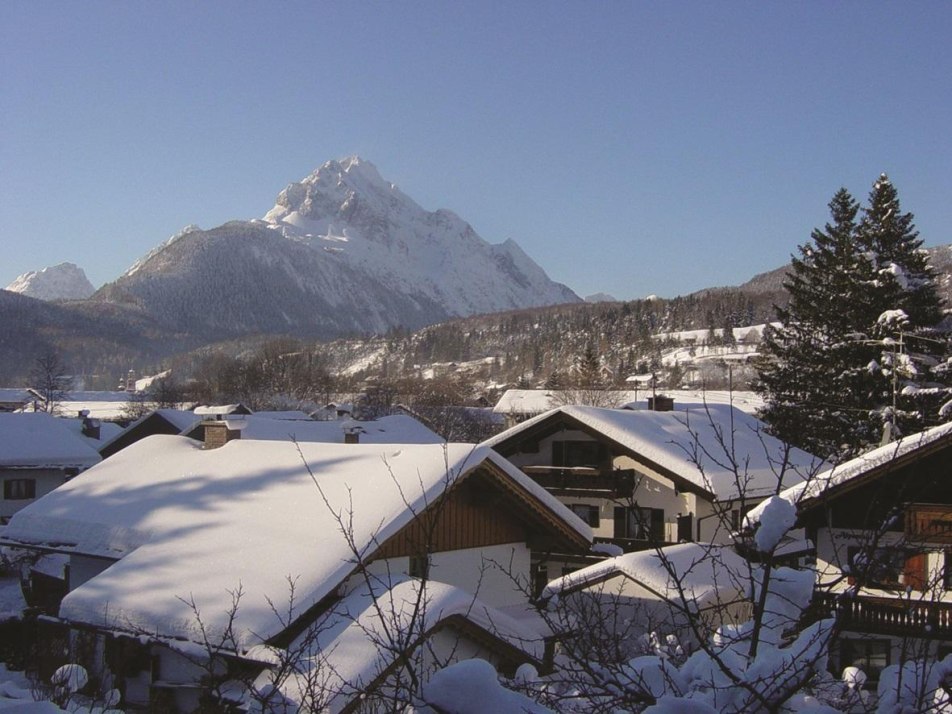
[
  {"x": 917, "y": 479},
  {"x": 153, "y": 424},
  {"x": 487, "y": 507}
]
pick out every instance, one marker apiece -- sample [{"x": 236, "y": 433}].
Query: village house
[
  {"x": 38, "y": 453},
  {"x": 882, "y": 529},
  {"x": 684, "y": 591},
  {"x": 653, "y": 478},
  {"x": 183, "y": 562}
]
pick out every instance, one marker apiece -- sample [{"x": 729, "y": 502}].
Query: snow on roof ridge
[
  {"x": 691, "y": 565},
  {"x": 347, "y": 643},
  {"x": 655, "y": 437},
  {"x": 848, "y": 470},
  {"x": 40, "y": 440}
]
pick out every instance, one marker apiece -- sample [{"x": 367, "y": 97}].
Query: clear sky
[{"x": 629, "y": 147}]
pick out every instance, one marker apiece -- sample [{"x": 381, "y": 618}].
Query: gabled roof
[
  {"x": 107, "y": 430},
  {"x": 864, "y": 468},
  {"x": 42, "y": 441},
  {"x": 158, "y": 421},
  {"x": 191, "y": 523},
  {"x": 714, "y": 449},
  {"x": 346, "y": 655}
]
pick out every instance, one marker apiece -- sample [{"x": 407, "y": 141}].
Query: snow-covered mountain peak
[
  {"x": 343, "y": 231},
  {"x": 65, "y": 281}
]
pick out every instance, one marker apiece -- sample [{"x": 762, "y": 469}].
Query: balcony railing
[
  {"x": 583, "y": 480},
  {"x": 887, "y": 616},
  {"x": 929, "y": 522}
]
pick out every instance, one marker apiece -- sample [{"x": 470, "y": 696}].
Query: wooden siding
[
  {"x": 470, "y": 516},
  {"x": 930, "y": 522}
]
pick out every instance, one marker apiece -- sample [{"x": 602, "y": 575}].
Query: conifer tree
[
  {"x": 813, "y": 374},
  {"x": 857, "y": 347},
  {"x": 915, "y": 379}
]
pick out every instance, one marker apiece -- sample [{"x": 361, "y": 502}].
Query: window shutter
[
  {"x": 604, "y": 457},
  {"x": 558, "y": 453},
  {"x": 914, "y": 572},
  {"x": 621, "y": 525},
  {"x": 657, "y": 525}
]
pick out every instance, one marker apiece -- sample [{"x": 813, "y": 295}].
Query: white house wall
[
  {"x": 484, "y": 572},
  {"x": 832, "y": 553},
  {"x": 83, "y": 568},
  {"x": 46, "y": 480}
]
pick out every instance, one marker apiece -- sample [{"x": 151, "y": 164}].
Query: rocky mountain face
[
  {"x": 65, "y": 281},
  {"x": 341, "y": 252}
]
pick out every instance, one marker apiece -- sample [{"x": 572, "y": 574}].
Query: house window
[
  {"x": 888, "y": 568},
  {"x": 578, "y": 453},
  {"x": 19, "y": 488},
  {"x": 419, "y": 566},
  {"x": 871, "y": 656},
  {"x": 639, "y": 523},
  {"x": 947, "y": 571},
  {"x": 587, "y": 512}
]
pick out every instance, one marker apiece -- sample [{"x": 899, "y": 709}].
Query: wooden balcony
[
  {"x": 583, "y": 480},
  {"x": 883, "y": 616},
  {"x": 929, "y": 522}
]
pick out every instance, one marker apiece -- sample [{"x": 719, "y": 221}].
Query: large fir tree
[
  {"x": 860, "y": 294},
  {"x": 813, "y": 372},
  {"x": 906, "y": 295}
]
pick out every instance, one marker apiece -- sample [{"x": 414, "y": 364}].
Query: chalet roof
[
  {"x": 537, "y": 401},
  {"x": 42, "y": 441},
  {"x": 346, "y": 653},
  {"x": 107, "y": 430},
  {"x": 703, "y": 571},
  {"x": 698, "y": 446},
  {"x": 394, "y": 429},
  {"x": 185, "y": 522},
  {"x": 872, "y": 464}
]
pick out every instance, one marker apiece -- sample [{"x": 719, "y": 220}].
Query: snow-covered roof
[
  {"x": 107, "y": 430},
  {"x": 394, "y": 429},
  {"x": 42, "y": 441},
  {"x": 180, "y": 419},
  {"x": 15, "y": 395},
  {"x": 537, "y": 401},
  {"x": 525, "y": 401},
  {"x": 288, "y": 414},
  {"x": 734, "y": 456},
  {"x": 346, "y": 653},
  {"x": 705, "y": 571},
  {"x": 747, "y": 402},
  {"x": 883, "y": 456},
  {"x": 187, "y": 522}
]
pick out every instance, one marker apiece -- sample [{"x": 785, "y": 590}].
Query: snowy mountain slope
[
  {"x": 65, "y": 281},
  {"x": 343, "y": 251},
  {"x": 346, "y": 208}
]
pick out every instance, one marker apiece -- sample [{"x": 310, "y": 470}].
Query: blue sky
[{"x": 629, "y": 147}]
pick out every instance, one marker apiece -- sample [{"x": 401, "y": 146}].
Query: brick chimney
[
  {"x": 220, "y": 425},
  {"x": 351, "y": 431}
]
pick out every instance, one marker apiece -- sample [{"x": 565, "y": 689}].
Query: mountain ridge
[{"x": 342, "y": 251}]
